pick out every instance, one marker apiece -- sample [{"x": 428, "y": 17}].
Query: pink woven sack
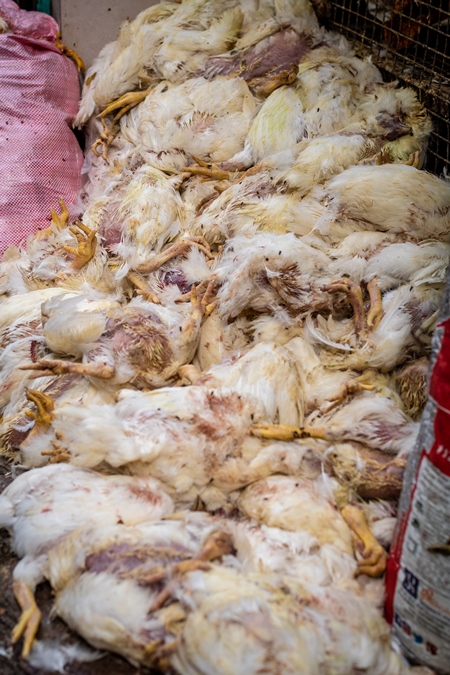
[{"x": 40, "y": 159}]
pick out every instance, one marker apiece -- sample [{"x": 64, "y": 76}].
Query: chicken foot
[
  {"x": 209, "y": 170},
  {"x": 125, "y": 103},
  {"x": 189, "y": 374},
  {"x": 60, "y": 367},
  {"x": 216, "y": 545},
  {"x": 60, "y": 222},
  {"x": 105, "y": 139},
  {"x": 30, "y": 617},
  {"x": 122, "y": 105},
  {"x": 57, "y": 454},
  {"x": 374, "y": 556},
  {"x": 87, "y": 244},
  {"x": 350, "y": 388},
  {"x": 384, "y": 157},
  {"x": 354, "y": 295},
  {"x": 142, "y": 287},
  {"x": 200, "y": 307},
  {"x": 180, "y": 248},
  {"x": 71, "y": 53},
  {"x": 284, "y": 432},
  {"x": 375, "y": 313},
  {"x": 43, "y": 416}
]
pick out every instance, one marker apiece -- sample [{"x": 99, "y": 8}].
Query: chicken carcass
[{"x": 42, "y": 506}]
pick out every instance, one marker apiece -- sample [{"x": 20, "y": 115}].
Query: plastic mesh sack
[{"x": 40, "y": 159}]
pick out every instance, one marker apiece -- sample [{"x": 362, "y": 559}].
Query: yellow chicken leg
[
  {"x": 189, "y": 374},
  {"x": 125, "y": 103},
  {"x": 375, "y": 313},
  {"x": 60, "y": 367},
  {"x": 414, "y": 159},
  {"x": 216, "y": 545},
  {"x": 354, "y": 294},
  {"x": 71, "y": 53},
  {"x": 60, "y": 222},
  {"x": 87, "y": 244},
  {"x": 284, "y": 432},
  {"x": 350, "y": 388},
  {"x": 142, "y": 287},
  {"x": 57, "y": 454},
  {"x": 105, "y": 139},
  {"x": 209, "y": 170},
  {"x": 180, "y": 248},
  {"x": 30, "y": 618},
  {"x": 43, "y": 416},
  {"x": 374, "y": 556}
]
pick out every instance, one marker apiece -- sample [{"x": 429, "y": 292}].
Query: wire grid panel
[{"x": 409, "y": 40}]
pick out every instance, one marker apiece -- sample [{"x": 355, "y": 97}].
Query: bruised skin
[{"x": 267, "y": 65}]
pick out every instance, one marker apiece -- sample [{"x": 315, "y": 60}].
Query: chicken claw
[
  {"x": 209, "y": 170},
  {"x": 87, "y": 244},
  {"x": 30, "y": 617},
  {"x": 60, "y": 222},
  {"x": 105, "y": 139},
  {"x": 414, "y": 160},
  {"x": 57, "y": 454},
  {"x": 189, "y": 374},
  {"x": 354, "y": 294},
  {"x": 375, "y": 313},
  {"x": 71, "y": 53},
  {"x": 125, "y": 103},
  {"x": 43, "y": 416},
  {"x": 350, "y": 388},
  {"x": 142, "y": 287},
  {"x": 180, "y": 248},
  {"x": 284, "y": 432},
  {"x": 374, "y": 556}
]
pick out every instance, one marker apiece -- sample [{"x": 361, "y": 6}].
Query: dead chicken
[
  {"x": 303, "y": 156},
  {"x": 397, "y": 328},
  {"x": 42, "y": 506},
  {"x": 178, "y": 122},
  {"x": 141, "y": 343},
  {"x": 196, "y": 440},
  {"x": 149, "y": 566},
  {"x": 320, "y": 507},
  {"x": 250, "y": 623},
  {"x": 269, "y": 271},
  {"x": 58, "y": 253},
  {"x": 110, "y": 582},
  {"x": 266, "y": 372},
  {"x": 268, "y": 56},
  {"x": 415, "y": 203}
]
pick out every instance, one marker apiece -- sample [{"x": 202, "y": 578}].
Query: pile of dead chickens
[{"x": 216, "y": 375}]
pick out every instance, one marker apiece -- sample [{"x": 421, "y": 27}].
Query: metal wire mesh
[{"x": 409, "y": 41}]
